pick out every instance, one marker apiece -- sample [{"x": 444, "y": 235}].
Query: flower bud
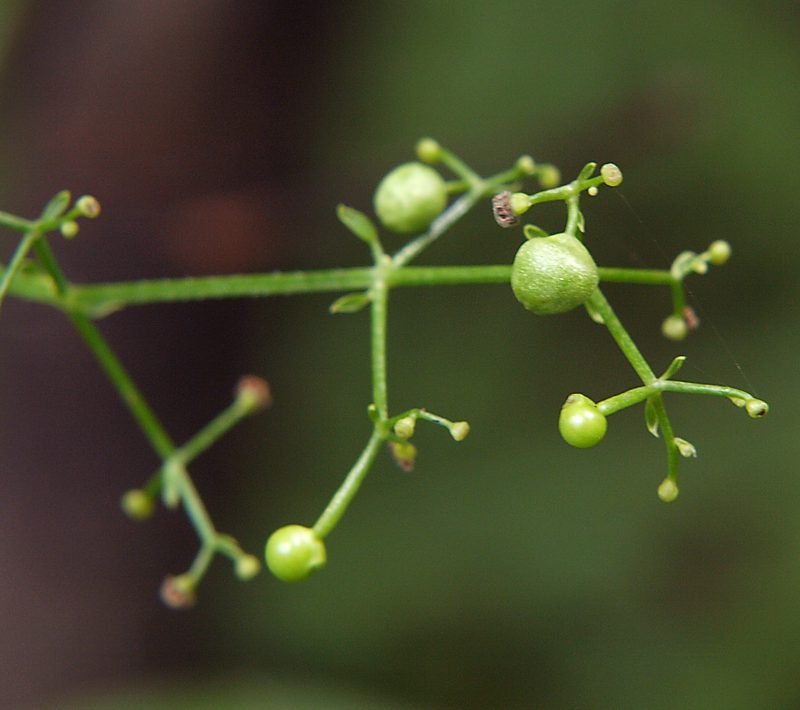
[
  {"x": 674, "y": 328},
  {"x": 69, "y": 229},
  {"x": 429, "y": 150},
  {"x": 719, "y": 252},
  {"x": 253, "y": 392},
  {"x": 177, "y": 592},
  {"x": 137, "y": 505},
  {"x": 88, "y": 206},
  {"x": 611, "y": 174},
  {"x": 404, "y": 428},
  {"x": 525, "y": 165},
  {"x": 756, "y": 408},
  {"x": 668, "y": 490},
  {"x": 247, "y": 567},
  {"x": 685, "y": 449},
  {"x": 459, "y": 430},
  {"x": 404, "y": 454}
]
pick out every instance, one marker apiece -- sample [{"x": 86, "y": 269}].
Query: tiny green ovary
[{"x": 553, "y": 274}]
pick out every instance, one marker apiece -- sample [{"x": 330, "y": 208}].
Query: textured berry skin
[
  {"x": 580, "y": 423},
  {"x": 410, "y": 197},
  {"x": 293, "y": 552},
  {"x": 553, "y": 274}
]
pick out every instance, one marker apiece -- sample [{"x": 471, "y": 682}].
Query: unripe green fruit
[
  {"x": 581, "y": 423},
  {"x": 293, "y": 552},
  {"x": 410, "y": 197},
  {"x": 553, "y": 274}
]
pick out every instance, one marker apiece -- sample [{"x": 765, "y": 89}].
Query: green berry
[
  {"x": 581, "y": 423},
  {"x": 553, "y": 274},
  {"x": 410, "y": 197},
  {"x": 293, "y": 552}
]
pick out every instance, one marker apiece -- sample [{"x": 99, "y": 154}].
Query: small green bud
[
  {"x": 581, "y": 423},
  {"x": 592, "y": 191},
  {"x": 293, "y": 552},
  {"x": 88, "y": 206},
  {"x": 668, "y": 490},
  {"x": 719, "y": 252},
  {"x": 526, "y": 165},
  {"x": 404, "y": 454},
  {"x": 254, "y": 393},
  {"x": 459, "y": 430},
  {"x": 137, "y": 505},
  {"x": 429, "y": 150},
  {"x": 404, "y": 428},
  {"x": 756, "y": 408},
  {"x": 69, "y": 229},
  {"x": 738, "y": 401},
  {"x": 520, "y": 203},
  {"x": 685, "y": 449},
  {"x": 553, "y": 274},
  {"x": 247, "y": 567},
  {"x": 611, "y": 174},
  {"x": 177, "y": 592},
  {"x": 410, "y": 197},
  {"x": 674, "y": 328},
  {"x": 549, "y": 175}
]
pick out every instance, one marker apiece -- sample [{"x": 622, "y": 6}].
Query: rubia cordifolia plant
[{"x": 550, "y": 274}]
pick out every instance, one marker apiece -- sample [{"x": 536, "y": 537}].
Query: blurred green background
[{"x": 509, "y": 571}]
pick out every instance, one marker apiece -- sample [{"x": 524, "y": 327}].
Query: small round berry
[
  {"x": 429, "y": 150},
  {"x": 581, "y": 423},
  {"x": 137, "y": 505},
  {"x": 553, "y": 274},
  {"x": 293, "y": 552},
  {"x": 719, "y": 252},
  {"x": 611, "y": 174},
  {"x": 592, "y": 191},
  {"x": 410, "y": 197},
  {"x": 674, "y": 328},
  {"x": 756, "y": 408},
  {"x": 247, "y": 567}
]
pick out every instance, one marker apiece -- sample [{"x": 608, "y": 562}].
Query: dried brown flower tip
[
  {"x": 255, "y": 391},
  {"x": 177, "y": 592},
  {"x": 503, "y": 214}
]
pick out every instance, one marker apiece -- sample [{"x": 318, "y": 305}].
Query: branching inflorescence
[{"x": 550, "y": 274}]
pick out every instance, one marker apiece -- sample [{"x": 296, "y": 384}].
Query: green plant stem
[
  {"x": 24, "y": 246},
  {"x": 379, "y": 306},
  {"x": 636, "y": 395},
  {"x": 98, "y": 300},
  {"x": 598, "y": 301},
  {"x": 352, "y": 482}
]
